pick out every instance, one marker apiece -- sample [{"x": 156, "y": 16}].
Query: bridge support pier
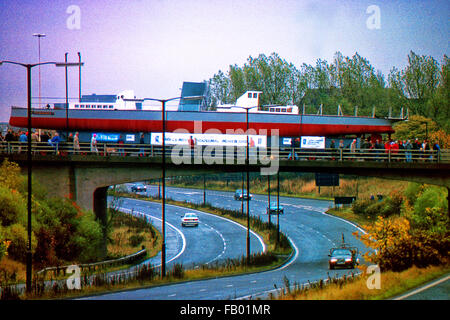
[
  {"x": 448, "y": 202},
  {"x": 101, "y": 213}
]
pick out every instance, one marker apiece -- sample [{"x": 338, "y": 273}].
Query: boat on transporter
[{"x": 125, "y": 113}]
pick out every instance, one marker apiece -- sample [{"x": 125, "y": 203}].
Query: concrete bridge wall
[{"x": 79, "y": 177}]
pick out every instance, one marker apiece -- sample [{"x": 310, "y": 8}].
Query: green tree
[
  {"x": 10, "y": 176},
  {"x": 237, "y": 82},
  {"x": 12, "y": 207},
  {"x": 430, "y": 210},
  {"x": 416, "y": 127},
  {"x": 438, "y": 105},
  {"x": 422, "y": 86},
  {"x": 17, "y": 234},
  {"x": 421, "y": 78},
  {"x": 219, "y": 86}
]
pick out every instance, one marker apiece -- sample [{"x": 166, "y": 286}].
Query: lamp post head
[
  {"x": 69, "y": 64},
  {"x": 39, "y": 35}
]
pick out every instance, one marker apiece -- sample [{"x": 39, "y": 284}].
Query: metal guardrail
[
  {"x": 96, "y": 265},
  {"x": 229, "y": 153}
]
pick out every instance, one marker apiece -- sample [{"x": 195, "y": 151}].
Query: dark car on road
[
  {"x": 343, "y": 257},
  {"x": 138, "y": 187}
]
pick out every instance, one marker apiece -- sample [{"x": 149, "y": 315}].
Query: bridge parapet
[
  {"x": 227, "y": 155},
  {"x": 77, "y": 173}
]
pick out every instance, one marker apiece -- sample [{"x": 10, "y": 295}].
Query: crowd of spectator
[
  {"x": 399, "y": 150},
  {"x": 395, "y": 150}
]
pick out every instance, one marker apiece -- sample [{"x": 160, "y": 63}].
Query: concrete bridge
[{"x": 85, "y": 175}]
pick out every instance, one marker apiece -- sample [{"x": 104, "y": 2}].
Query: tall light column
[
  {"x": 248, "y": 192},
  {"x": 29, "y": 257},
  {"x": 163, "y": 178},
  {"x": 39, "y": 36}
]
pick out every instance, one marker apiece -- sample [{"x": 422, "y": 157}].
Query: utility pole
[
  {"x": 204, "y": 190},
  {"x": 268, "y": 196}
]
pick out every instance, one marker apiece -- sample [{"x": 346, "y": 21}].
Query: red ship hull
[{"x": 199, "y": 122}]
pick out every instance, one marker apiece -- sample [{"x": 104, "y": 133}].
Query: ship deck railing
[{"x": 256, "y": 155}]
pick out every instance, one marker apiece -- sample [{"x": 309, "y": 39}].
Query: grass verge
[
  {"x": 392, "y": 284},
  {"x": 148, "y": 276}
]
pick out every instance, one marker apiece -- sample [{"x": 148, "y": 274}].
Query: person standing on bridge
[
  {"x": 121, "y": 149},
  {"x": 394, "y": 150},
  {"x": 22, "y": 140},
  {"x": 416, "y": 147},
  {"x": 333, "y": 150},
  {"x": 141, "y": 145},
  {"x": 408, "y": 147},
  {"x": 94, "y": 144},
  {"x": 76, "y": 143},
  {"x": 353, "y": 148},
  {"x": 191, "y": 143},
  {"x": 436, "y": 150},
  {"x": 70, "y": 143},
  {"x": 55, "y": 142},
  {"x": 34, "y": 140}
]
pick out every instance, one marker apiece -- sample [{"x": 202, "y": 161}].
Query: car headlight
[
  {"x": 333, "y": 260},
  {"x": 348, "y": 259}
]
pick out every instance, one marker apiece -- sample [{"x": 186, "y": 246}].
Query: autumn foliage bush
[
  {"x": 389, "y": 206},
  {"x": 395, "y": 246},
  {"x": 408, "y": 233},
  {"x": 61, "y": 231}
]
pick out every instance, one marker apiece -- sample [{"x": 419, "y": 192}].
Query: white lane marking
[
  {"x": 224, "y": 244},
  {"x": 342, "y": 219},
  {"x": 261, "y": 241},
  {"x": 172, "y": 295},
  {"x": 302, "y": 226},
  {"x": 292, "y": 259},
  {"x": 423, "y": 288},
  {"x": 183, "y": 247}
]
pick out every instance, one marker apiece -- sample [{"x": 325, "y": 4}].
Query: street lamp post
[
  {"x": 248, "y": 191},
  {"x": 268, "y": 196},
  {"x": 204, "y": 190},
  {"x": 247, "y": 165},
  {"x": 79, "y": 77},
  {"x": 278, "y": 206},
  {"x": 67, "y": 97},
  {"x": 39, "y": 36},
  {"x": 29, "y": 160},
  {"x": 163, "y": 178}
]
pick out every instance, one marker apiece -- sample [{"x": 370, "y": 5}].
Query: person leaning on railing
[
  {"x": 2, "y": 143},
  {"x": 408, "y": 148},
  {"x": 54, "y": 142},
  {"x": 353, "y": 148},
  {"x": 76, "y": 143},
  {"x": 35, "y": 140},
  {"x": 436, "y": 150},
  {"x": 366, "y": 149}
]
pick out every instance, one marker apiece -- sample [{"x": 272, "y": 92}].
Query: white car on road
[{"x": 189, "y": 219}]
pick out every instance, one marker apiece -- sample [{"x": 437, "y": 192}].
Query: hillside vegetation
[{"x": 422, "y": 86}]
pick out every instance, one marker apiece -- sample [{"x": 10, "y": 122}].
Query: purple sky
[{"x": 152, "y": 46}]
